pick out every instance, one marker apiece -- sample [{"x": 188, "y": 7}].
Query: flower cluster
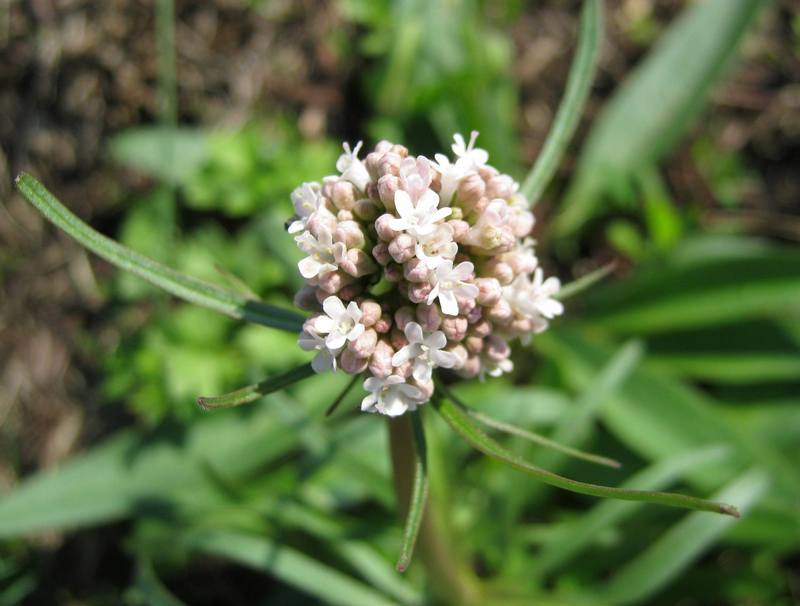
[{"x": 413, "y": 264}]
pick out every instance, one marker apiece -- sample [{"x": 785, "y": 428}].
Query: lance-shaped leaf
[
  {"x": 248, "y": 394},
  {"x": 467, "y": 429},
  {"x": 530, "y": 436},
  {"x": 585, "y": 282},
  {"x": 419, "y": 495},
  {"x": 579, "y": 83},
  {"x": 182, "y": 286}
]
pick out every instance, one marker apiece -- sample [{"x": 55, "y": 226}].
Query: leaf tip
[
  {"x": 729, "y": 510},
  {"x": 402, "y": 564}
]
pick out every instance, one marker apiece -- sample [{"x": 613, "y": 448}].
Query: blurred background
[{"x": 180, "y": 129}]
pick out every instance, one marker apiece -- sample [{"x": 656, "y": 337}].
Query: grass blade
[
  {"x": 680, "y": 545},
  {"x": 531, "y": 436},
  {"x": 585, "y": 282},
  {"x": 460, "y": 422},
  {"x": 182, "y": 286},
  {"x": 579, "y": 83},
  {"x": 248, "y": 394},
  {"x": 287, "y": 564},
  {"x": 419, "y": 495}
]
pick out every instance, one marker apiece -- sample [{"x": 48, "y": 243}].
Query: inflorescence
[{"x": 412, "y": 265}]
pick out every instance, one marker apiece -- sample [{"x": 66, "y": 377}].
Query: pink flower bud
[
  {"x": 357, "y": 263},
  {"x": 460, "y": 352},
  {"x": 481, "y": 329},
  {"x": 393, "y": 272},
  {"x": 465, "y": 306},
  {"x": 327, "y": 186},
  {"x": 385, "y": 233},
  {"x": 400, "y": 150},
  {"x": 305, "y": 298},
  {"x": 471, "y": 367},
  {"x": 387, "y": 186},
  {"x": 333, "y": 281},
  {"x": 487, "y": 172},
  {"x": 383, "y": 146},
  {"x": 403, "y": 316},
  {"x": 372, "y": 162},
  {"x": 496, "y": 348},
  {"x": 489, "y": 290},
  {"x": 501, "y": 186},
  {"x": 475, "y": 314},
  {"x": 419, "y": 291},
  {"x": 370, "y": 312},
  {"x": 389, "y": 165},
  {"x": 471, "y": 189},
  {"x": 343, "y": 195},
  {"x": 402, "y": 248},
  {"x": 416, "y": 271},
  {"x": 321, "y": 220},
  {"x": 460, "y": 229},
  {"x": 364, "y": 345},
  {"x": 365, "y": 209},
  {"x": 380, "y": 364},
  {"x": 352, "y": 363},
  {"x": 520, "y": 261},
  {"x": 381, "y": 253},
  {"x": 384, "y": 324},
  {"x": 404, "y": 370},
  {"x": 500, "y": 270},
  {"x": 455, "y": 327},
  {"x": 429, "y": 317},
  {"x": 522, "y": 223},
  {"x": 344, "y": 215},
  {"x": 500, "y": 312},
  {"x": 350, "y": 233},
  {"x": 350, "y": 291},
  {"x": 474, "y": 344}
]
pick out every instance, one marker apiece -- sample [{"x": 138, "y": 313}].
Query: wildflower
[
  {"x": 437, "y": 247},
  {"x": 306, "y": 200},
  {"x": 426, "y": 352},
  {"x": 391, "y": 396},
  {"x": 325, "y": 358},
  {"x": 352, "y": 168},
  {"x": 419, "y": 220},
  {"x": 448, "y": 282},
  {"x": 451, "y": 175},
  {"x": 477, "y": 156},
  {"x": 324, "y": 255}
]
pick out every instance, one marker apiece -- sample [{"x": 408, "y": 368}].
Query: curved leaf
[
  {"x": 419, "y": 495},
  {"x": 253, "y": 392},
  {"x": 182, "y": 286}
]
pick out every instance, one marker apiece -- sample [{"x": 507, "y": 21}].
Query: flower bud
[
  {"x": 321, "y": 220},
  {"x": 481, "y": 329},
  {"x": 357, "y": 263},
  {"x": 352, "y": 363},
  {"x": 522, "y": 224},
  {"x": 305, "y": 298},
  {"x": 370, "y": 312},
  {"x": 380, "y": 364},
  {"x": 385, "y": 233},
  {"x": 429, "y": 317},
  {"x": 454, "y": 327},
  {"x": 496, "y": 348},
  {"x": 416, "y": 270},
  {"x": 475, "y": 314},
  {"x": 393, "y": 272},
  {"x": 384, "y": 324},
  {"x": 403, "y": 316},
  {"x": 419, "y": 291},
  {"x": 473, "y": 344},
  {"x": 402, "y": 248},
  {"x": 333, "y": 281},
  {"x": 489, "y": 291},
  {"x": 400, "y": 150},
  {"x": 389, "y": 165},
  {"x": 350, "y": 233},
  {"x": 381, "y": 253},
  {"x": 398, "y": 339},
  {"x": 487, "y": 172},
  {"x": 471, "y": 189},
  {"x": 350, "y": 291},
  {"x": 426, "y": 388},
  {"x": 501, "y": 186},
  {"x": 387, "y": 187},
  {"x": 471, "y": 367},
  {"x": 343, "y": 195},
  {"x": 500, "y": 312},
  {"x": 521, "y": 261},
  {"x": 460, "y": 352},
  {"x": 460, "y": 229},
  {"x": 465, "y": 306},
  {"x": 365, "y": 209},
  {"x": 500, "y": 270},
  {"x": 364, "y": 345}
]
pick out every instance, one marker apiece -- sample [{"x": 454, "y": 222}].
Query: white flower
[
  {"x": 492, "y": 228},
  {"x": 306, "y": 200},
  {"x": 534, "y": 299},
  {"x": 448, "y": 282},
  {"x": 415, "y": 176},
  {"x": 352, "y": 168},
  {"x": 476, "y": 155},
  {"x": 391, "y": 396},
  {"x": 324, "y": 255},
  {"x": 437, "y": 247},
  {"x": 341, "y": 324},
  {"x": 451, "y": 175},
  {"x": 494, "y": 369},
  {"x": 419, "y": 220},
  {"x": 325, "y": 358},
  {"x": 425, "y": 351}
]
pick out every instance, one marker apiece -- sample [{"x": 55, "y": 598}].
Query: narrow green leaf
[
  {"x": 182, "y": 286},
  {"x": 579, "y": 83},
  {"x": 464, "y": 426},
  {"x": 531, "y": 436},
  {"x": 419, "y": 495},
  {"x": 288, "y": 565},
  {"x": 657, "y": 102},
  {"x": 585, "y": 282},
  {"x": 681, "y": 545},
  {"x": 253, "y": 392},
  {"x": 579, "y": 535}
]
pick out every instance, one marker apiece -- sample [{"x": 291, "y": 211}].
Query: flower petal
[
  {"x": 334, "y": 307},
  {"x": 414, "y": 332}
]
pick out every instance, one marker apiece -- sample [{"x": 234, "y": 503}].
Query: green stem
[{"x": 450, "y": 578}]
